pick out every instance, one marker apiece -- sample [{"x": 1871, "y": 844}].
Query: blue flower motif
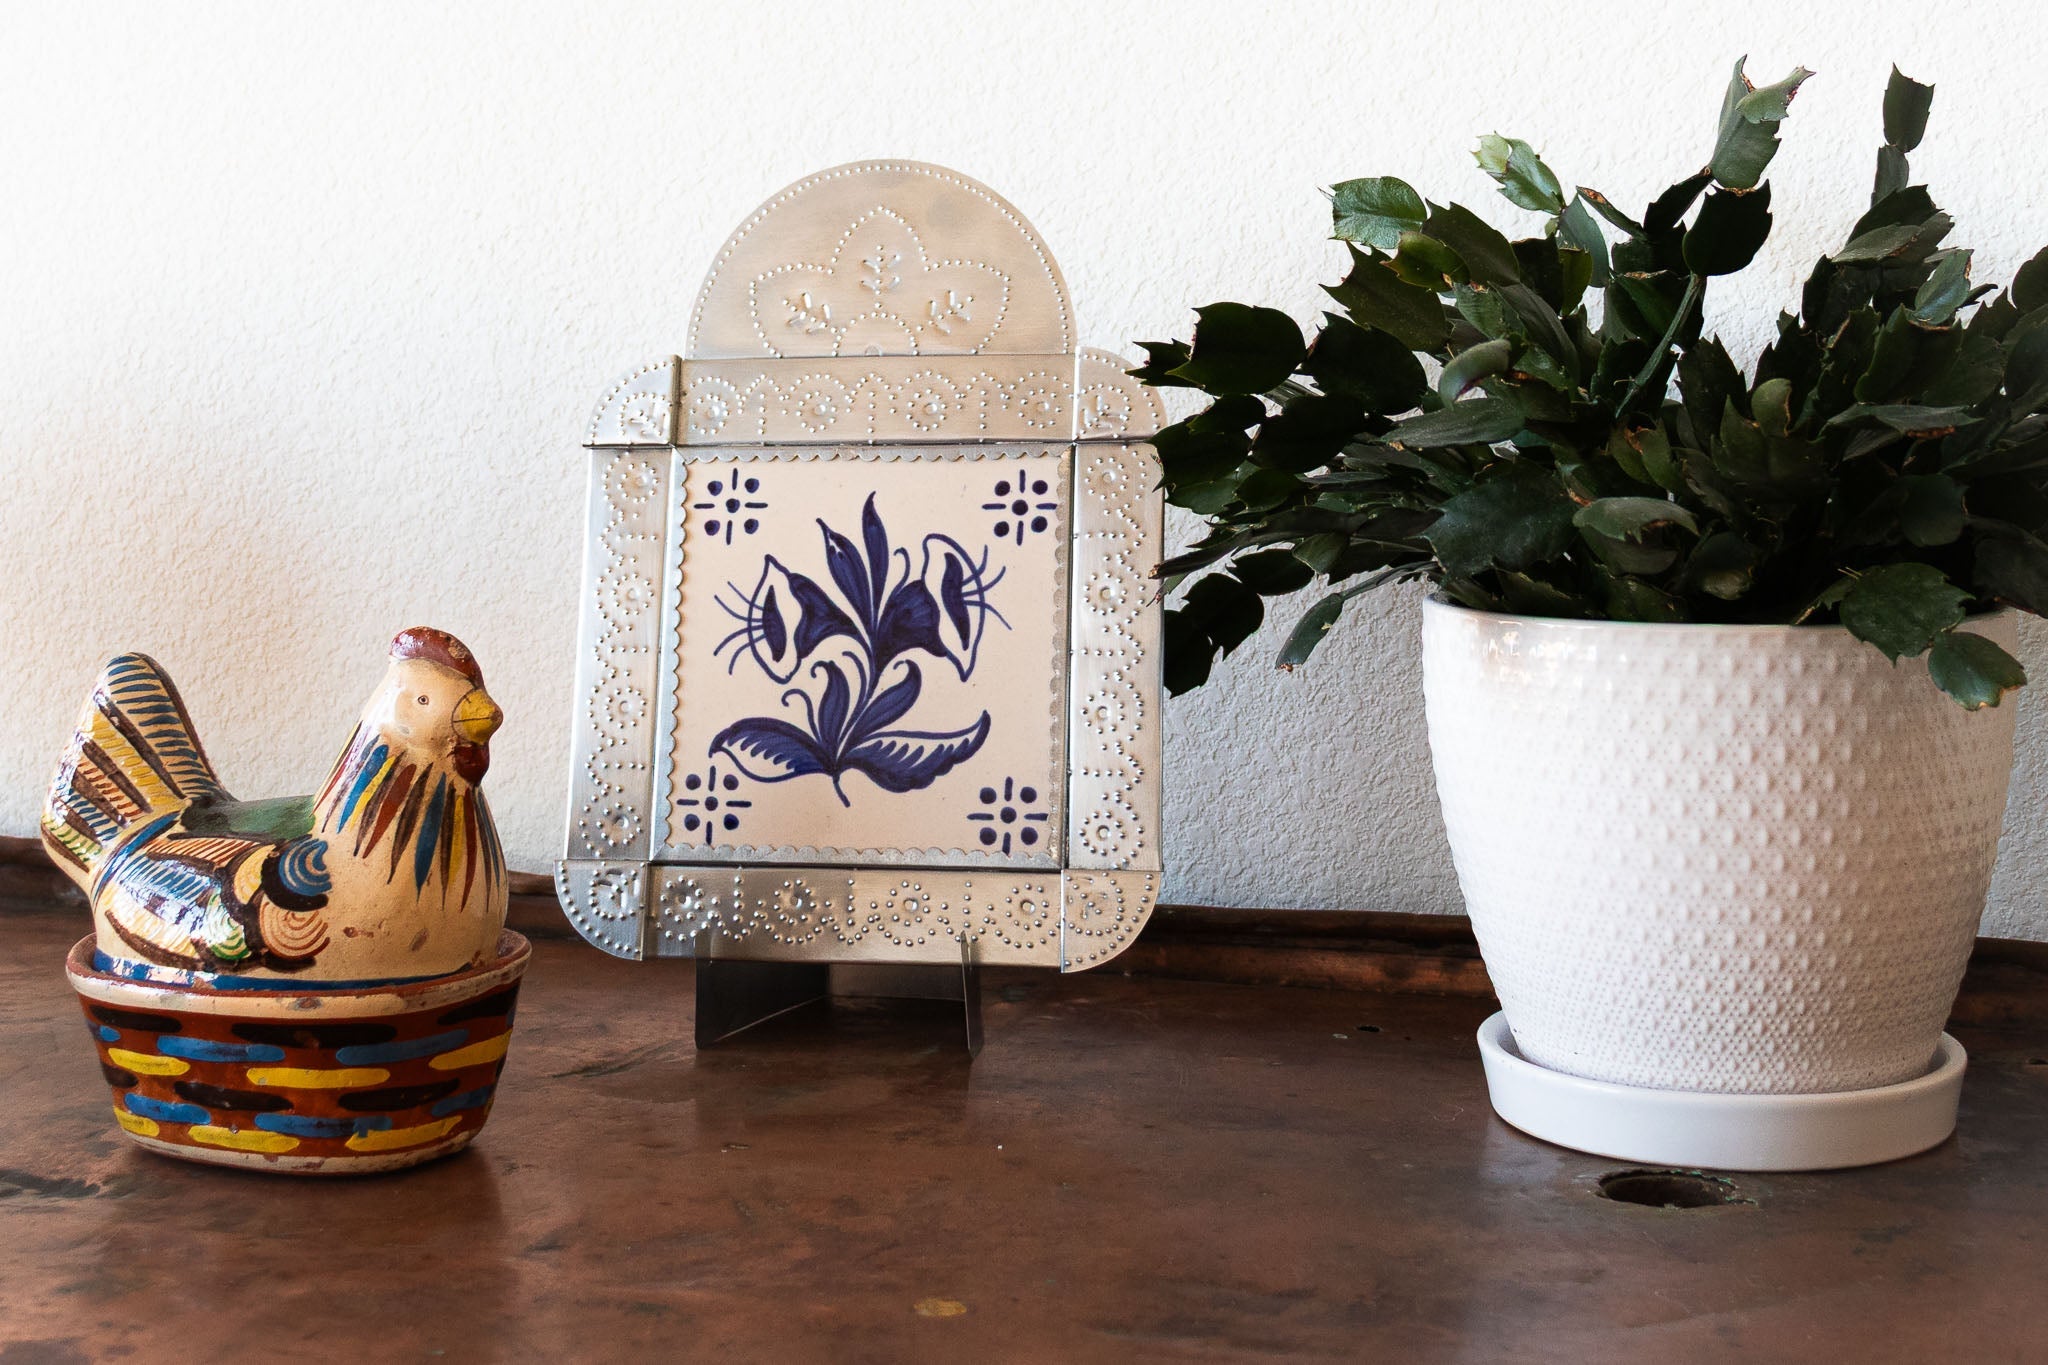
[{"x": 861, "y": 687}]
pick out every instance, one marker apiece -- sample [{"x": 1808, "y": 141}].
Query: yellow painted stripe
[
  {"x": 246, "y": 1140},
  {"x": 391, "y": 1139},
  {"x": 135, "y": 1123},
  {"x": 489, "y": 1050},
  {"x": 311, "y": 1078},
  {"x": 147, "y": 1063}
]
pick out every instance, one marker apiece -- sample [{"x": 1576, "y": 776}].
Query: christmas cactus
[{"x": 1539, "y": 426}]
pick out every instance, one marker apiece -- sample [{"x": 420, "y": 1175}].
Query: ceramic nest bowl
[{"x": 329, "y": 1079}]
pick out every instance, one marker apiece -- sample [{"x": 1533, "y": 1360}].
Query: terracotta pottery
[
  {"x": 314, "y": 984},
  {"x": 305, "y": 1080}
]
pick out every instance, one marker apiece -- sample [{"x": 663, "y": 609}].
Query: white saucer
[{"x": 1723, "y": 1132}]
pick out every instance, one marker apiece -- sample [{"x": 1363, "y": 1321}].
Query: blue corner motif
[
  {"x": 711, "y": 806},
  {"x": 731, "y": 503},
  {"x": 1021, "y": 507},
  {"x": 851, "y": 647},
  {"x": 1007, "y": 818}
]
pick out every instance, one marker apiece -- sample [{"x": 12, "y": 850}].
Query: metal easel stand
[{"x": 735, "y": 994}]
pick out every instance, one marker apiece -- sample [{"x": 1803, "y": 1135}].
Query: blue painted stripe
[
  {"x": 206, "y": 1050},
  {"x": 371, "y": 767},
  {"x": 302, "y": 1125},
  {"x": 468, "y": 1099},
  {"x": 430, "y": 833},
  {"x": 375, "y": 1054},
  {"x": 165, "y": 1109},
  {"x": 105, "y": 1034},
  {"x": 128, "y": 850},
  {"x": 222, "y": 981}
]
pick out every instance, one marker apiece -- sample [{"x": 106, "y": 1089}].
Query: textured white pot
[{"x": 1742, "y": 859}]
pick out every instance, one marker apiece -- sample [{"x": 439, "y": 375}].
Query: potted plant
[{"x": 1714, "y": 662}]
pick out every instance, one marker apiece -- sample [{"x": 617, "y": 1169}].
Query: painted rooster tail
[{"x": 132, "y": 756}]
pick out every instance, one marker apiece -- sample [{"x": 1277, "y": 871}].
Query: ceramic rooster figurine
[{"x": 392, "y": 871}]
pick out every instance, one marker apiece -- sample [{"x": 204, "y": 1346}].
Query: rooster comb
[{"x": 437, "y": 646}]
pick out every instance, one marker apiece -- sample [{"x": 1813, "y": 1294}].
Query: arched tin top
[
  {"x": 894, "y": 258},
  {"x": 880, "y": 301}
]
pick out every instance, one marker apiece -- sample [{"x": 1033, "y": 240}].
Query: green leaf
[
  {"x": 1321, "y": 552},
  {"x": 1226, "y": 610},
  {"x": 1375, "y": 211},
  {"x": 2014, "y": 568},
  {"x": 1633, "y": 518},
  {"x": 1523, "y": 177},
  {"x": 1308, "y": 432},
  {"x": 1930, "y": 508},
  {"x": 1471, "y": 365},
  {"x": 1723, "y": 565},
  {"x": 1514, "y": 516},
  {"x": 1878, "y": 244},
  {"x": 1161, "y": 359},
  {"x": 1909, "y": 419},
  {"x": 1974, "y": 670},
  {"x": 1748, "y": 135},
  {"x": 1907, "y": 206},
  {"x": 1368, "y": 365},
  {"x": 1375, "y": 296},
  {"x": 1972, "y": 376},
  {"x": 1241, "y": 349},
  {"x": 1771, "y": 405},
  {"x": 1272, "y": 573},
  {"x": 2026, "y": 370},
  {"x": 1265, "y": 489},
  {"x": 1209, "y": 445},
  {"x": 2030, "y": 285},
  {"x": 1902, "y": 608},
  {"x": 1633, "y": 535},
  {"x": 1487, "y": 254},
  {"x": 1189, "y": 655},
  {"x": 1631, "y": 599},
  {"x": 1605, "y": 208},
  {"x": 1891, "y": 174},
  {"x": 1309, "y": 631},
  {"x": 1906, "y": 103},
  {"x": 1426, "y": 263},
  {"x": 1667, "y": 208},
  {"x": 1945, "y": 291},
  {"x": 1485, "y": 309},
  {"x": 1489, "y": 419},
  {"x": 1730, "y": 228},
  {"x": 1577, "y": 227}
]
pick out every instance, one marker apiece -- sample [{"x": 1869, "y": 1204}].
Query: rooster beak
[{"x": 477, "y": 717}]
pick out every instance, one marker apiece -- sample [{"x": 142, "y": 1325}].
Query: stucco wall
[{"x": 302, "y": 309}]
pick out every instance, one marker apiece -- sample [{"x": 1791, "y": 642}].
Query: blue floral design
[{"x": 853, "y": 648}]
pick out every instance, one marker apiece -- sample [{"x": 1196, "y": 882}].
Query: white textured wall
[{"x": 302, "y": 308}]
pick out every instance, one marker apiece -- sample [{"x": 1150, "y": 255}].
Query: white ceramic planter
[{"x": 1739, "y": 859}]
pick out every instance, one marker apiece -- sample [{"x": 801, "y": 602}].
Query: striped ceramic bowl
[{"x": 304, "y": 1080}]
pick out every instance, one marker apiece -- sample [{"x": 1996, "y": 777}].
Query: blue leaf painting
[
  {"x": 769, "y": 750},
  {"x": 905, "y": 760},
  {"x": 860, "y": 679}
]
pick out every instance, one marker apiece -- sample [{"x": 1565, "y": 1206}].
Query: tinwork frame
[{"x": 629, "y": 885}]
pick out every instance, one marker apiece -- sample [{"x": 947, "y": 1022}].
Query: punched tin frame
[{"x": 958, "y": 345}]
